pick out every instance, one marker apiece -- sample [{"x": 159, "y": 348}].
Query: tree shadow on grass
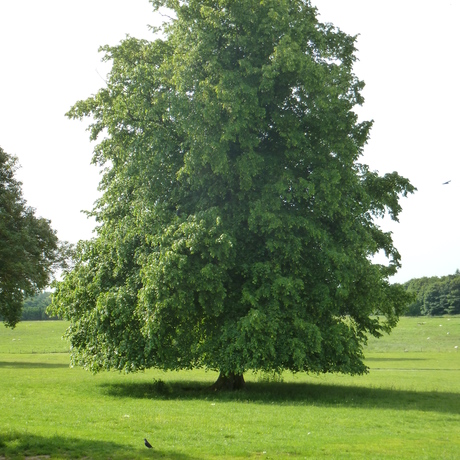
[
  {"x": 31, "y": 365},
  {"x": 28, "y": 446},
  {"x": 316, "y": 394}
]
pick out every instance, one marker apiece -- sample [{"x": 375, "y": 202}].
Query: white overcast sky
[{"x": 408, "y": 54}]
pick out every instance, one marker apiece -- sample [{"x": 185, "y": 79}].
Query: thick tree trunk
[{"x": 229, "y": 382}]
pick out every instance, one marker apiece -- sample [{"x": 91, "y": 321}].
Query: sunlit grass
[
  {"x": 408, "y": 406},
  {"x": 34, "y": 337},
  {"x": 421, "y": 334}
]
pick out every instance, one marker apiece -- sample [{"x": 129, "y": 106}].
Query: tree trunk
[{"x": 229, "y": 382}]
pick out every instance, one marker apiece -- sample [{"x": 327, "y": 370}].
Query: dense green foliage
[
  {"x": 29, "y": 247},
  {"x": 237, "y": 226},
  {"x": 435, "y": 295}
]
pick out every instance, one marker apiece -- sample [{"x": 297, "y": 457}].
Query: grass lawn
[{"x": 408, "y": 406}]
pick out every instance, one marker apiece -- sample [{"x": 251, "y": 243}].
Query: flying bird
[
  {"x": 147, "y": 444},
  {"x": 445, "y": 183}
]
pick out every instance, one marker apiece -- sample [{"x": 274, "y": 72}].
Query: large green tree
[
  {"x": 236, "y": 227},
  {"x": 29, "y": 247}
]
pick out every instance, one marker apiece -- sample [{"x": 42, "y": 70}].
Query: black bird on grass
[{"x": 147, "y": 444}]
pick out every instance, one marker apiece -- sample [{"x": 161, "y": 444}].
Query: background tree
[
  {"x": 29, "y": 248},
  {"x": 453, "y": 296},
  {"x": 434, "y": 301},
  {"x": 34, "y": 308},
  {"x": 418, "y": 287},
  {"x": 434, "y": 296},
  {"x": 236, "y": 227}
]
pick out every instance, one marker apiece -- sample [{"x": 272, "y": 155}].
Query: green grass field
[{"x": 407, "y": 407}]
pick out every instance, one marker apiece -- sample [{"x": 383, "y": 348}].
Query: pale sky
[{"x": 408, "y": 58}]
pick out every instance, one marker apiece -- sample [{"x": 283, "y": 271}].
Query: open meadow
[{"x": 407, "y": 407}]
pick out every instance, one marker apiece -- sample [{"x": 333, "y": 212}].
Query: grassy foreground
[{"x": 408, "y": 406}]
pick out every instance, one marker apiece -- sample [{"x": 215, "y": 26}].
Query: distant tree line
[
  {"x": 435, "y": 296},
  {"x": 34, "y": 308}
]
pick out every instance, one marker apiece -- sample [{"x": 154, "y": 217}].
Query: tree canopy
[
  {"x": 237, "y": 226},
  {"x": 29, "y": 247}
]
